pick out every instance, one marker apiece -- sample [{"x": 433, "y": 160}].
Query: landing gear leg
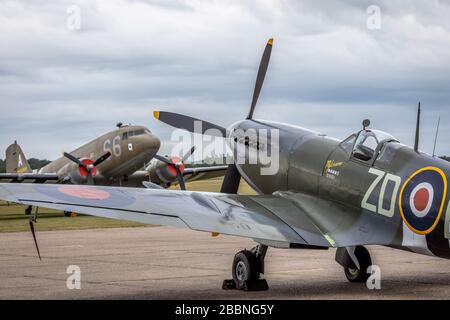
[
  {"x": 28, "y": 210},
  {"x": 355, "y": 261},
  {"x": 248, "y": 265}
]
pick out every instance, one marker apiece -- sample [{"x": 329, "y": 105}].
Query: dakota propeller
[
  {"x": 232, "y": 177},
  {"x": 177, "y": 165},
  {"x": 87, "y": 167}
]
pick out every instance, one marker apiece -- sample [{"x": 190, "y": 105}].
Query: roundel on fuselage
[{"x": 422, "y": 199}]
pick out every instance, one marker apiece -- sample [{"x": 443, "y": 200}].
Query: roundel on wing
[{"x": 422, "y": 199}]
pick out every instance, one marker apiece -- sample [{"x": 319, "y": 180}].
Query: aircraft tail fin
[{"x": 15, "y": 160}]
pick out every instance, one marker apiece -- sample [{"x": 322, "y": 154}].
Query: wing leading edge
[
  {"x": 210, "y": 212},
  {"x": 284, "y": 219}
]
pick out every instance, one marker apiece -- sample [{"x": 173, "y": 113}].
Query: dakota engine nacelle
[
  {"x": 77, "y": 174},
  {"x": 165, "y": 174},
  {"x": 82, "y": 170}
]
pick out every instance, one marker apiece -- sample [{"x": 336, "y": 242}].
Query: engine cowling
[
  {"x": 78, "y": 174},
  {"x": 165, "y": 174}
]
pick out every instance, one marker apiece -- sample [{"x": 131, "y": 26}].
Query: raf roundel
[{"x": 422, "y": 199}]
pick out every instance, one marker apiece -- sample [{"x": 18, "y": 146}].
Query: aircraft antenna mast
[
  {"x": 416, "y": 144},
  {"x": 436, "y": 137}
]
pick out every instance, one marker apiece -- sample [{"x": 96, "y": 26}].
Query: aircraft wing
[
  {"x": 280, "y": 220},
  {"x": 202, "y": 173},
  {"x": 28, "y": 177}
]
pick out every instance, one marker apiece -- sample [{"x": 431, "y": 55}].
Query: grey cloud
[{"x": 327, "y": 72}]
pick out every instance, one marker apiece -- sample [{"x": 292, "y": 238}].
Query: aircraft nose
[{"x": 151, "y": 142}]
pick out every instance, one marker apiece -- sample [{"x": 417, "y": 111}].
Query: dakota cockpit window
[
  {"x": 367, "y": 143},
  {"x": 135, "y": 133}
]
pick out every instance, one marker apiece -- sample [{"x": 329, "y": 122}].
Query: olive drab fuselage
[
  {"x": 131, "y": 148},
  {"x": 400, "y": 192}
]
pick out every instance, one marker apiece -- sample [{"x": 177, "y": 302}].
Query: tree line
[{"x": 35, "y": 164}]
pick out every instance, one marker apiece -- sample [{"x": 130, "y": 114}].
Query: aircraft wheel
[
  {"x": 67, "y": 214},
  {"x": 359, "y": 275},
  {"x": 246, "y": 267},
  {"x": 28, "y": 210}
]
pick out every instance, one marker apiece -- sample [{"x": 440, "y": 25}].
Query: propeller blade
[
  {"x": 72, "y": 158},
  {"x": 260, "y": 77},
  {"x": 90, "y": 179},
  {"x": 102, "y": 158},
  {"x": 34, "y": 237},
  {"x": 188, "y": 154},
  {"x": 190, "y": 124},
  {"x": 231, "y": 181},
  {"x": 162, "y": 159},
  {"x": 181, "y": 180}
]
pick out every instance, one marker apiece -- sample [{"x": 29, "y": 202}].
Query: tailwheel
[
  {"x": 247, "y": 269},
  {"x": 67, "y": 214},
  {"x": 355, "y": 274}
]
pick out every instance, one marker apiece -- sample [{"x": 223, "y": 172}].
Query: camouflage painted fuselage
[
  {"x": 399, "y": 198},
  {"x": 131, "y": 147}
]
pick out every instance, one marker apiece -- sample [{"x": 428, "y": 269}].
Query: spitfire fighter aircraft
[{"x": 368, "y": 189}]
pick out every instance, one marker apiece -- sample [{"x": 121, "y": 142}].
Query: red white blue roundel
[{"x": 422, "y": 199}]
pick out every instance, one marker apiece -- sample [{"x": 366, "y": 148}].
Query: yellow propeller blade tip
[
  {"x": 156, "y": 114},
  {"x": 270, "y": 42}
]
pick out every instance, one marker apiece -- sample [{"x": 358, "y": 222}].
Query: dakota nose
[{"x": 151, "y": 143}]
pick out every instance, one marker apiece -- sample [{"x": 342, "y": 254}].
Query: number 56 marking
[{"x": 387, "y": 177}]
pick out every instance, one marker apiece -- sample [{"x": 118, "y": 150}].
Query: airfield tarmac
[{"x": 169, "y": 263}]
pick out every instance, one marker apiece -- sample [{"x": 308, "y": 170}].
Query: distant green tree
[{"x": 36, "y": 164}]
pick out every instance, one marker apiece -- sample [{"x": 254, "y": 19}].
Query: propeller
[
  {"x": 88, "y": 167},
  {"x": 177, "y": 165},
  {"x": 264, "y": 64},
  {"x": 190, "y": 124},
  {"x": 232, "y": 177}
]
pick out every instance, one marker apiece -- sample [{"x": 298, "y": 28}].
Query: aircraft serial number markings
[
  {"x": 114, "y": 146},
  {"x": 386, "y": 177}
]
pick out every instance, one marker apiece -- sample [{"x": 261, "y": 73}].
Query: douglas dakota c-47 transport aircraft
[
  {"x": 368, "y": 189},
  {"x": 113, "y": 159}
]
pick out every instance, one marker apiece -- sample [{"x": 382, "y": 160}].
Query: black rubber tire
[
  {"x": 359, "y": 276},
  {"x": 67, "y": 214},
  {"x": 247, "y": 263}
]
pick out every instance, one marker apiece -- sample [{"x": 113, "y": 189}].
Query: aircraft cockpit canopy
[
  {"x": 369, "y": 142},
  {"x": 366, "y": 143}
]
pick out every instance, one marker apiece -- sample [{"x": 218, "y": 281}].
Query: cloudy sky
[{"x": 61, "y": 86}]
